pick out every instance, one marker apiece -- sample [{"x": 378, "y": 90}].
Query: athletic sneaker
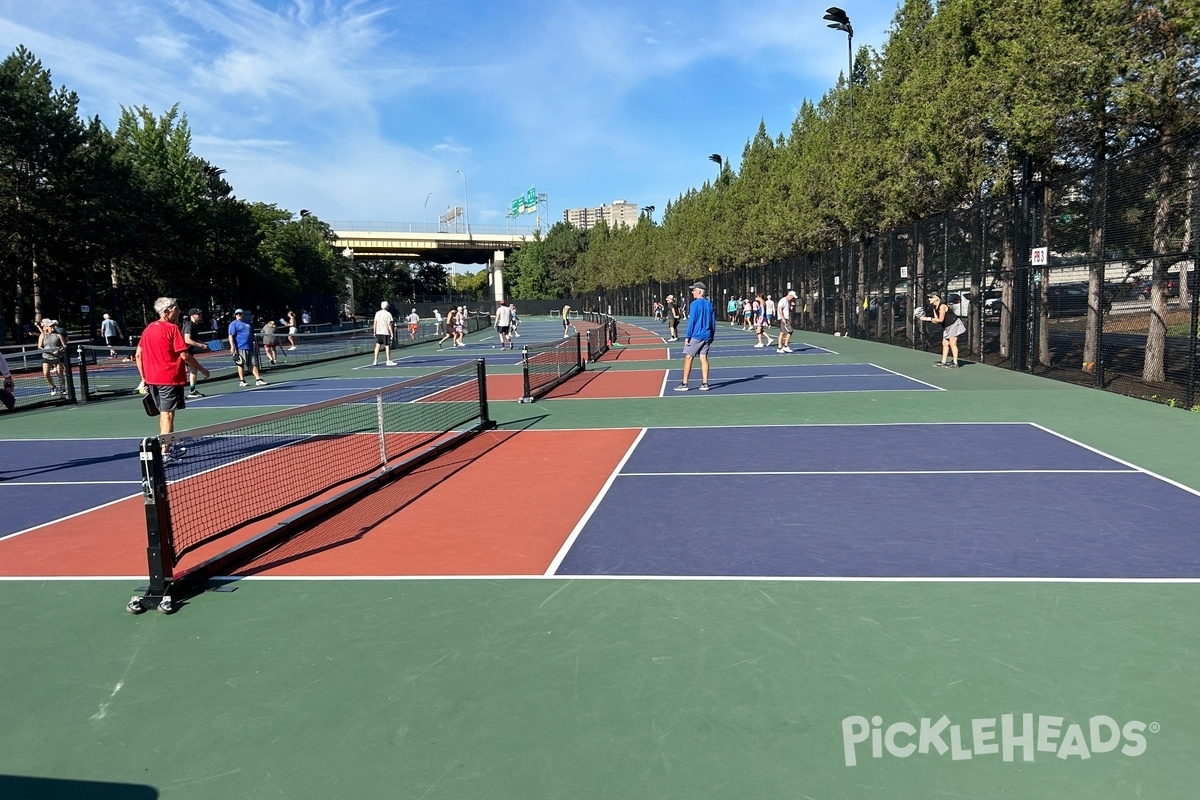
[
  {"x": 53, "y": 391},
  {"x": 683, "y": 387},
  {"x": 704, "y": 387},
  {"x": 194, "y": 395},
  {"x": 787, "y": 350},
  {"x": 170, "y": 459},
  {"x": 778, "y": 349},
  {"x": 950, "y": 366},
  {"x": 242, "y": 384},
  {"x": 673, "y": 339},
  {"x": 260, "y": 382},
  {"x": 759, "y": 345},
  {"x": 177, "y": 450},
  {"x": 390, "y": 363},
  {"x": 939, "y": 363},
  {"x": 768, "y": 341}
]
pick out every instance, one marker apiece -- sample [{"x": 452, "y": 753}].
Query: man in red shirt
[{"x": 162, "y": 360}]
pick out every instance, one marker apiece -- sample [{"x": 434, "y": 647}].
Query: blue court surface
[
  {"x": 745, "y": 347},
  {"x": 983, "y": 501},
  {"x": 795, "y": 379},
  {"x": 49, "y": 479}
]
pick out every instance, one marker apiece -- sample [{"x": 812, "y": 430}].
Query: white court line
[
  {"x": 69, "y": 516},
  {"x": 898, "y": 472},
  {"x": 623, "y": 578},
  {"x": 19, "y": 482},
  {"x": 910, "y": 377},
  {"x": 1132, "y": 466},
  {"x": 566, "y": 546}
]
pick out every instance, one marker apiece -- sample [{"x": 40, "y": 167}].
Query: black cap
[
  {"x": 699, "y": 285},
  {"x": 193, "y": 311}
]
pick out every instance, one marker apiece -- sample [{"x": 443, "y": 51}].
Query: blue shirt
[
  {"x": 243, "y": 335},
  {"x": 702, "y": 321}
]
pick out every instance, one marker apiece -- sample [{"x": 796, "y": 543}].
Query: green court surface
[{"x": 545, "y": 687}]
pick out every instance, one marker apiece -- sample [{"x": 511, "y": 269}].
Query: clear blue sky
[{"x": 362, "y": 110}]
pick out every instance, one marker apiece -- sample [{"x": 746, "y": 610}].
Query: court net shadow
[{"x": 358, "y": 520}]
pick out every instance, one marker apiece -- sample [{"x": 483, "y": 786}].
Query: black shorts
[
  {"x": 502, "y": 330},
  {"x": 383, "y": 338},
  {"x": 167, "y": 398}
]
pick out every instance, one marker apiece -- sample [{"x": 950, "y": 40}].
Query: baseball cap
[
  {"x": 193, "y": 311},
  {"x": 699, "y": 285},
  {"x": 239, "y": 311},
  {"x": 791, "y": 294}
]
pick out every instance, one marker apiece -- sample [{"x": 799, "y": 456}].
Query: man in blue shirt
[
  {"x": 701, "y": 330},
  {"x": 241, "y": 342}
]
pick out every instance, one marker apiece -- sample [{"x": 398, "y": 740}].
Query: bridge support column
[{"x": 497, "y": 273}]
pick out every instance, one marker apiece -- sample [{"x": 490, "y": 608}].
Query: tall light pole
[
  {"x": 427, "y": 208},
  {"x": 719, "y": 161},
  {"x": 466, "y": 205},
  {"x": 840, "y": 22}
]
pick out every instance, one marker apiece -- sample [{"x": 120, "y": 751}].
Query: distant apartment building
[{"x": 619, "y": 213}]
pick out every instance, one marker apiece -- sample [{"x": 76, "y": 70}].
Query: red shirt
[{"x": 162, "y": 345}]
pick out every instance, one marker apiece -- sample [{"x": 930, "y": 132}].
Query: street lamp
[
  {"x": 466, "y": 205},
  {"x": 649, "y": 212},
  {"x": 427, "y": 208},
  {"x": 840, "y": 22}
]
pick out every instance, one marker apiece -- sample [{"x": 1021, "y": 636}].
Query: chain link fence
[{"x": 1087, "y": 277}]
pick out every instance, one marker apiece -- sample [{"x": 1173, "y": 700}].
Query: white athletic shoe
[
  {"x": 390, "y": 363},
  {"x": 787, "y": 349},
  {"x": 260, "y": 382},
  {"x": 760, "y": 344},
  {"x": 242, "y": 384},
  {"x": 778, "y": 349}
]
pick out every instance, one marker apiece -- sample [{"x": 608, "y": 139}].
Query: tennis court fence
[{"x": 231, "y": 482}]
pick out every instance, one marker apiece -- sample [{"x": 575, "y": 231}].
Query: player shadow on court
[
  {"x": 21, "y": 787},
  {"x": 355, "y": 522},
  {"x": 75, "y": 463},
  {"x": 734, "y": 381}
]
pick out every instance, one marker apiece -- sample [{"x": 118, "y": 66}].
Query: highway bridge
[{"x": 425, "y": 242}]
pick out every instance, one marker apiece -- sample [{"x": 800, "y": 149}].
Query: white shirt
[
  {"x": 784, "y": 308},
  {"x": 413, "y": 318},
  {"x": 383, "y": 323},
  {"x": 503, "y": 316}
]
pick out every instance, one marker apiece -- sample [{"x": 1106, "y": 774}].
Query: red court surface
[
  {"x": 598, "y": 382},
  {"x": 640, "y": 354},
  {"x": 422, "y": 525}
]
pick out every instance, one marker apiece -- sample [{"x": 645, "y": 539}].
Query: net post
[
  {"x": 485, "y": 420},
  {"x": 83, "y": 376},
  {"x": 69, "y": 383},
  {"x": 160, "y": 553},
  {"x": 580, "y": 360},
  {"x": 379, "y": 422},
  {"x": 526, "y": 389}
]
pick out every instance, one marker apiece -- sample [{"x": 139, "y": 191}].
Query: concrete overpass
[{"x": 424, "y": 242}]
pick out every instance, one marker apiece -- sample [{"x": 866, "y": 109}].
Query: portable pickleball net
[{"x": 216, "y": 482}]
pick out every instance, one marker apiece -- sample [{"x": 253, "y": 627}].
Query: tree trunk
[
  {"x": 1096, "y": 299},
  {"x": 1156, "y": 337}
]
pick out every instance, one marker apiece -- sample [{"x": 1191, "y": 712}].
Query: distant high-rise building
[{"x": 619, "y": 213}]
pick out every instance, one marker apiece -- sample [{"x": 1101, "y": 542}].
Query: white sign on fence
[{"x": 1040, "y": 256}]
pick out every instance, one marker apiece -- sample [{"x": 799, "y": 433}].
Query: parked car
[
  {"x": 1067, "y": 299},
  {"x": 1141, "y": 290},
  {"x": 993, "y": 302}
]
